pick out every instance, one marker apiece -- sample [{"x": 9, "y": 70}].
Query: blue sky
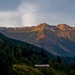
[{"x": 33, "y": 12}]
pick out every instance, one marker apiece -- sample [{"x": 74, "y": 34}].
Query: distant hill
[{"x": 58, "y": 40}]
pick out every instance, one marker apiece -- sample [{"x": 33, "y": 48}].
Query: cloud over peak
[{"x": 28, "y": 12}]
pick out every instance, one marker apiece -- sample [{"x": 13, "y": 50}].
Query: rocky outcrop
[
  {"x": 64, "y": 30},
  {"x": 63, "y": 27}
]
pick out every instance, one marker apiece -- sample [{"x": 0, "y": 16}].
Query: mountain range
[{"x": 58, "y": 40}]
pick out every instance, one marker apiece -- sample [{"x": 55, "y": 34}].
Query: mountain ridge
[{"x": 59, "y": 40}]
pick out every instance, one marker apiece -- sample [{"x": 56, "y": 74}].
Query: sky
[{"x": 19, "y": 13}]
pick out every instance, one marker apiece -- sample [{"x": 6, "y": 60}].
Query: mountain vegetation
[{"x": 19, "y": 58}]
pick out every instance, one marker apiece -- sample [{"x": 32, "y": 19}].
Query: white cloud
[
  {"x": 10, "y": 18},
  {"x": 23, "y": 15},
  {"x": 28, "y": 11}
]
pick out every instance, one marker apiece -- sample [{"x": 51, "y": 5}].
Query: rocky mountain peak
[
  {"x": 42, "y": 25},
  {"x": 64, "y": 30},
  {"x": 63, "y": 27}
]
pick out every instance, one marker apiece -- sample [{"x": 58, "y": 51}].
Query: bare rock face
[
  {"x": 41, "y": 27},
  {"x": 64, "y": 30},
  {"x": 63, "y": 27}
]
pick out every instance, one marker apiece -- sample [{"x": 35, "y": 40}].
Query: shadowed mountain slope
[{"x": 59, "y": 40}]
